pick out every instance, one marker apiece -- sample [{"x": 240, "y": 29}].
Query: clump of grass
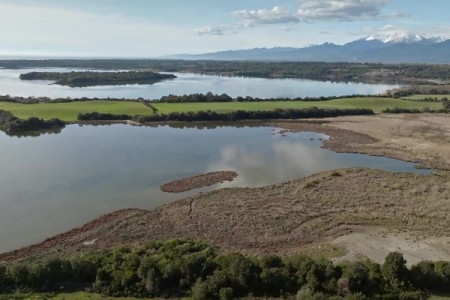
[
  {"x": 312, "y": 183},
  {"x": 419, "y": 166},
  {"x": 335, "y": 174}
]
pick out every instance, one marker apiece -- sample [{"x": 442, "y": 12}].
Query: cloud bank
[
  {"x": 341, "y": 10},
  {"x": 308, "y": 11}
]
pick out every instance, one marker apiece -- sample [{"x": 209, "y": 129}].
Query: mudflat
[
  {"x": 422, "y": 138},
  {"x": 281, "y": 218},
  {"x": 397, "y": 211},
  {"x": 198, "y": 181}
]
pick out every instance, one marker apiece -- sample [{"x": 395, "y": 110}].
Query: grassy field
[
  {"x": 421, "y": 97},
  {"x": 69, "y": 111},
  {"x": 376, "y": 104}
]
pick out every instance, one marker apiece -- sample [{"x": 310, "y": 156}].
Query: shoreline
[
  {"x": 345, "y": 136},
  {"x": 409, "y": 139},
  {"x": 326, "y": 208}
]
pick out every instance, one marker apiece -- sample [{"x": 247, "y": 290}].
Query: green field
[
  {"x": 376, "y": 104},
  {"x": 421, "y": 97},
  {"x": 70, "y": 110}
]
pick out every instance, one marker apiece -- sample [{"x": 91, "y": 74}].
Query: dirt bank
[
  {"x": 377, "y": 243},
  {"x": 423, "y": 138},
  {"x": 281, "y": 218},
  {"x": 198, "y": 181}
]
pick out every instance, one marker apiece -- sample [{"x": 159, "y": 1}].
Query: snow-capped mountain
[
  {"x": 389, "y": 48},
  {"x": 403, "y": 38}
]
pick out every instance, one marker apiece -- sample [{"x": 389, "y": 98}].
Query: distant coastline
[{"x": 89, "y": 78}]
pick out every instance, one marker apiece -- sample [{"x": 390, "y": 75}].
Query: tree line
[
  {"x": 210, "y": 97},
  {"x": 180, "y": 268},
  {"x": 11, "y": 124},
  {"x": 187, "y": 98},
  {"x": 334, "y": 71},
  {"x": 238, "y": 115},
  {"x": 89, "y": 78}
]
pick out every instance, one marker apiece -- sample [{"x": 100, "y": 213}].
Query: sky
[{"x": 156, "y": 28}]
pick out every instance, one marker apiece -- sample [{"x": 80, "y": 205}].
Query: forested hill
[
  {"x": 342, "y": 72},
  {"x": 84, "y": 79}
]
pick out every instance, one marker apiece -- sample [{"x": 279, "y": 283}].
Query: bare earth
[
  {"x": 423, "y": 138},
  {"x": 370, "y": 212},
  {"x": 198, "y": 181}
]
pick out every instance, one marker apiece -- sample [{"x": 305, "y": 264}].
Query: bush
[
  {"x": 238, "y": 115},
  {"x": 180, "y": 268},
  {"x": 95, "y": 116},
  {"x": 395, "y": 272}
]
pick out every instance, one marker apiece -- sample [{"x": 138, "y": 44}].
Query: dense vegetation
[
  {"x": 177, "y": 268},
  {"x": 312, "y": 112},
  {"x": 84, "y": 79},
  {"x": 210, "y": 98},
  {"x": 11, "y": 124},
  {"x": 311, "y": 70},
  {"x": 187, "y": 98},
  {"x": 444, "y": 110},
  {"x": 95, "y": 116},
  {"x": 424, "y": 89}
]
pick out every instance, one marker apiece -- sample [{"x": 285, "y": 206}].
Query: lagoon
[
  {"x": 54, "y": 182},
  {"x": 186, "y": 83}
]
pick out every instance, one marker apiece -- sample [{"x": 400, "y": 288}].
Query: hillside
[{"x": 411, "y": 48}]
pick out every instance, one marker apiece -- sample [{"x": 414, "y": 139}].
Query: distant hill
[{"x": 395, "y": 48}]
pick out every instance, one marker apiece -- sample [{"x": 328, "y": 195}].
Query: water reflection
[
  {"x": 186, "y": 83},
  {"x": 56, "y": 182}
]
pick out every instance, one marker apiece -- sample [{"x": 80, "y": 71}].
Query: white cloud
[
  {"x": 277, "y": 15},
  {"x": 252, "y": 18},
  {"x": 309, "y": 11},
  {"x": 340, "y": 10},
  {"x": 210, "y": 30}
]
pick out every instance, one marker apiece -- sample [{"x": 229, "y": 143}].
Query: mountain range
[{"x": 393, "y": 48}]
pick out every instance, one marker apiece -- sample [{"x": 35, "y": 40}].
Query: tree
[
  {"x": 395, "y": 272},
  {"x": 357, "y": 275},
  {"x": 20, "y": 274},
  {"x": 226, "y": 293},
  {"x": 423, "y": 275}
]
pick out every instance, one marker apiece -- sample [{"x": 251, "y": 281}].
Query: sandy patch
[
  {"x": 377, "y": 243},
  {"x": 423, "y": 138}
]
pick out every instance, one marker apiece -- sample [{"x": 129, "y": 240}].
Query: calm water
[
  {"x": 53, "y": 183},
  {"x": 187, "y": 83}
]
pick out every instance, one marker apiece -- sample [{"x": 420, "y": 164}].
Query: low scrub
[
  {"x": 232, "y": 116},
  {"x": 210, "y": 97},
  {"x": 416, "y": 110},
  {"x": 95, "y": 116},
  {"x": 179, "y": 268},
  {"x": 11, "y": 124}
]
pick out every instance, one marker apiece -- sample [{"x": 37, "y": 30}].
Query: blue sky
[{"x": 152, "y": 28}]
